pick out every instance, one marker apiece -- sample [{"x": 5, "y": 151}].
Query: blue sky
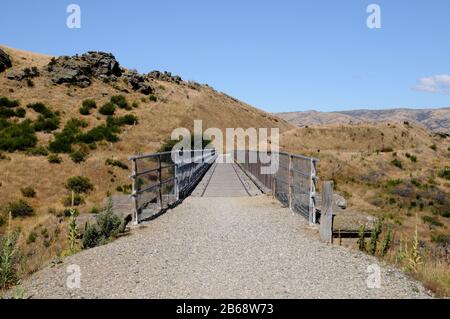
[{"x": 285, "y": 55}]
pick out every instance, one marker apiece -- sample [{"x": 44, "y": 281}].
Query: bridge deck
[{"x": 226, "y": 180}]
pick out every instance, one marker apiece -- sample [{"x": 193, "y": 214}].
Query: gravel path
[{"x": 222, "y": 248}]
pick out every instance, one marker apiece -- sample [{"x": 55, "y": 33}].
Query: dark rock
[
  {"x": 138, "y": 83},
  {"x": 79, "y": 71},
  {"x": 166, "y": 76},
  {"x": 19, "y": 75},
  {"x": 5, "y": 61}
]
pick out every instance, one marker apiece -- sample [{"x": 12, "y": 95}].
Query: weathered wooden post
[
  {"x": 160, "y": 182},
  {"x": 135, "y": 189},
  {"x": 326, "y": 215},
  {"x": 290, "y": 182}
]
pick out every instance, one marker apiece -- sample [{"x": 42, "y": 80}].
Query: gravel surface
[{"x": 222, "y": 248}]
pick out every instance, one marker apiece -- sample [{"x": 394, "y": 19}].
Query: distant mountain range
[{"x": 436, "y": 120}]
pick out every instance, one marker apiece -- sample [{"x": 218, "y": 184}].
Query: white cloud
[{"x": 434, "y": 84}]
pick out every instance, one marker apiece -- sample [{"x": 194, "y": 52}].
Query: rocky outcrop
[
  {"x": 19, "y": 75},
  {"x": 165, "y": 76},
  {"x": 5, "y": 61},
  {"x": 138, "y": 82},
  {"x": 79, "y": 70}
]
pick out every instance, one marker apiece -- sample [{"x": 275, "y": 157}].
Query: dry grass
[{"x": 176, "y": 106}]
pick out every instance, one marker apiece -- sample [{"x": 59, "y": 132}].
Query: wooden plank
[{"x": 326, "y": 217}]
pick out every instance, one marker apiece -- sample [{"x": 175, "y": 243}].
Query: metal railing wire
[
  {"x": 293, "y": 183},
  {"x": 159, "y": 181}
]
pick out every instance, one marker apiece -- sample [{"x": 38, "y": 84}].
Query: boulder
[
  {"x": 166, "y": 76},
  {"x": 5, "y": 61},
  {"x": 138, "y": 82},
  {"x": 79, "y": 71},
  {"x": 19, "y": 75},
  {"x": 340, "y": 201}
]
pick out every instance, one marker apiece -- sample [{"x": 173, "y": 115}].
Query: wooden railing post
[
  {"x": 135, "y": 189},
  {"x": 290, "y": 182},
  {"x": 160, "y": 182},
  {"x": 326, "y": 215}
]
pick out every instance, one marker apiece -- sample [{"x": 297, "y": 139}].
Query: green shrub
[
  {"x": 28, "y": 192},
  {"x": 109, "y": 224},
  {"x": 79, "y": 184},
  {"x": 397, "y": 163},
  {"x": 387, "y": 150},
  {"x": 43, "y": 124},
  {"x": 32, "y": 238},
  {"x": 445, "y": 173},
  {"x": 116, "y": 163},
  {"x": 91, "y": 237},
  {"x": 4, "y": 101},
  {"x": 54, "y": 159},
  {"x": 37, "y": 151},
  {"x": 95, "y": 211},
  {"x": 42, "y": 109},
  {"x": 440, "y": 239},
  {"x": 9, "y": 259},
  {"x": 135, "y": 104},
  {"x": 20, "y": 208},
  {"x": 169, "y": 145},
  {"x": 120, "y": 101},
  {"x": 91, "y": 104},
  {"x": 153, "y": 98},
  {"x": 107, "y": 109},
  {"x": 17, "y": 137},
  {"x": 87, "y": 106},
  {"x": 21, "y": 112},
  {"x": 433, "y": 221},
  {"x": 98, "y": 134},
  {"x": 62, "y": 143},
  {"x": 434, "y": 147},
  {"x": 78, "y": 156}
]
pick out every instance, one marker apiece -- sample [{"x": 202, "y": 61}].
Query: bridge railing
[
  {"x": 160, "y": 180},
  {"x": 293, "y": 182}
]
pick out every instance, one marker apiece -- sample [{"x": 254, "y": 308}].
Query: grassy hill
[
  {"x": 172, "y": 103},
  {"x": 436, "y": 120}
]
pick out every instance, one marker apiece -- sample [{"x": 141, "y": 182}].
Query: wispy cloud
[{"x": 434, "y": 84}]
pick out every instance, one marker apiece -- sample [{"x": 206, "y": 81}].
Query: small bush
[
  {"x": 37, "y": 151},
  {"x": 445, "y": 173},
  {"x": 153, "y": 98},
  {"x": 135, "y": 104},
  {"x": 91, "y": 237},
  {"x": 21, "y": 112},
  {"x": 42, "y": 109},
  {"x": 54, "y": 159},
  {"x": 116, "y": 163},
  {"x": 79, "y": 184},
  {"x": 109, "y": 224},
  {"x": 120, "y": 101},
  {"x": 8, "y": 259},
  {"x": 28, "y": 192},
  {"x": 17, "y": 137},
  {"x": 433, "y": 221},
  {"x": 87, "y": 106},
  {"x": 4, "y": 101},
  {"x": 95, "y": 211},
  {"x": 397, "y": 163},
  {"x": 32, "y": 237},
  {"x": 107, "y": 109},
  {"x": 20, "y": 208},
  {"x": 43, "y": 124},
  {"x": 434, "y": 147},
  {"x": 78, "y": 156}
]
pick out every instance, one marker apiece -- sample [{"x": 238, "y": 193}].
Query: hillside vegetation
[
  {"x": 399, "y": 172},
  {"x": 63, "y": 117}
]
